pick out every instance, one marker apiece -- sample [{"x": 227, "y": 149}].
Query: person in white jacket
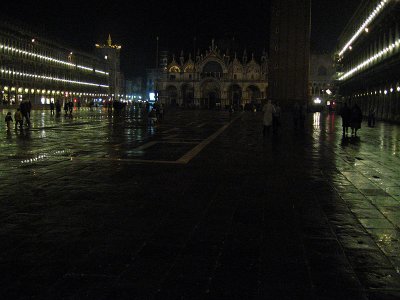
[{"x": 268, "y": 110}]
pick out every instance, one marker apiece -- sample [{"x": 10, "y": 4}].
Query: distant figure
[
  {"x": 161, "y": 111},
  {"x": 25, "y": 111},
  {"x": 29, "y": 108},
  {"x": 268, "y": 110},
  {"x": 66, "y": 107},
  {"x": 371, "y": 117},
  {"x": 153, "y": 117},
  {"x": 70, "y": 107},
  {"x": 52, "y": 108},
  {"x": 345, "y": 113},
  {"x": 18, "y": 118},
  {"x": 58, "y": 108},
  {"x": 8, "y": 119},
  {"x": 276, "y": 118},
  {"x": 356, "y": 119}
]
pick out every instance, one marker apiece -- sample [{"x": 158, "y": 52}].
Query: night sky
[{"x": 136, "y": 24}]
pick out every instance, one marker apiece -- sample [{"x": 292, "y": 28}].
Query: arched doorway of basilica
[
  {"x": 211, "y": 95},
  {"x": 187, "y": 95},
  {"x": 235, "y": 96},
  {"x": 253, "y": 94},
  {"x": 172, "y": 95}
]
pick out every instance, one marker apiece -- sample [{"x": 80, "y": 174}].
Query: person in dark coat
[
  {"x": 345, "y": 113},
  {"x": 52, "y": 108},
  {"x": 356, "y": 119},
  {"x": 25, "y": 108},
  {"x": 371, "y": 117},
  {"x": 58, "y": 108}
]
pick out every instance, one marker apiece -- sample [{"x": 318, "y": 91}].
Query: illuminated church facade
[{"x": 213, "y": 80}]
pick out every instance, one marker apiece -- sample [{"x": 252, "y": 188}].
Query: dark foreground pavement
[{"x": 103, "y": 207}]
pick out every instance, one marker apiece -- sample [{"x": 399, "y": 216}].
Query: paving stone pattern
[{"x": 97, "y": 207}]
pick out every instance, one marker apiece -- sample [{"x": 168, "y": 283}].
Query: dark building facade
[
  {"x": 37, "y": 69},
  {"x": 368, "y": 59},
  {"x": 290, "y": 51}
]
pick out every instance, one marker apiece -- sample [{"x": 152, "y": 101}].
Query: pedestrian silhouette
[
  {"x": 8, "y": 119},
  {"x": 268, "y": 110},
  {"x": 345, "y": 113},
  {"x": 356, "y": 119}
]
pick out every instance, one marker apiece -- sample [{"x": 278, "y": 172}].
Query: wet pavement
[{"x": 201, "y": 206}]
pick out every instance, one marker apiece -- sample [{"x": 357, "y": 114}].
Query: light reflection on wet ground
[
  {"x": 96, "y": 134},
  {"x": 304, "y": 212}
]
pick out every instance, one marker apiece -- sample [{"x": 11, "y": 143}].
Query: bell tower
[{"x": 289, "y": 53}]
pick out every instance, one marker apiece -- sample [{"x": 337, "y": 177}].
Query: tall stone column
[{"x": 289, "y": 51}]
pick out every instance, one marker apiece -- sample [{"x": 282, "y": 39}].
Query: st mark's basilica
[{"x": 213, "y": 80}]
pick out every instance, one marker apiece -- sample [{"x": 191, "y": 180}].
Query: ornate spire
[
  {"x": 109, "y": 41},
  {"x": 182, "y": 58}
]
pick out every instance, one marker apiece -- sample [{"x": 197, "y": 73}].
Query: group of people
[
  {"x": 22, "y": 113},
  {"x": 351, "y": 118},
  {"x": 57, "y": 106},
  {"x": 68, "y": 108}
]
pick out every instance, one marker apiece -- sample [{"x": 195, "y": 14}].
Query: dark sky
[{"x": 135, "y": 24}]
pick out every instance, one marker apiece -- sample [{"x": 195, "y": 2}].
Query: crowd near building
[
  {"x": 368, "y": 57},
  {"x": 212, "y": 79}
]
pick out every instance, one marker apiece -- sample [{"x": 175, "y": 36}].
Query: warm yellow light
[
  {"x": 393, "y": 48},
  {"x": 364, "y": 25}
]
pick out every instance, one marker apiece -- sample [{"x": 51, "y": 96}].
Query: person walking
[
  {"x": 70, "y": 107},
  {"x": 356, "y": 119},
  {"x": 153, "y": 117},
  {"x": 345, "y": 113},
  {"x": 268, "y": 110},
  {"x": 66, "y": 106},
  {"x": 161, "y": 113},
  {"x": 25, "y": 111},
  {"x": 52, "y": 108},
  {"x": 29, "y": 108},
  {"x": 8, "y": 119},
  {"x": 58, "y": 108},
  {"x": 18, "y": 118},
  {"x": 371, "y": 117},
  {"x": 276, "y": 118}
]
